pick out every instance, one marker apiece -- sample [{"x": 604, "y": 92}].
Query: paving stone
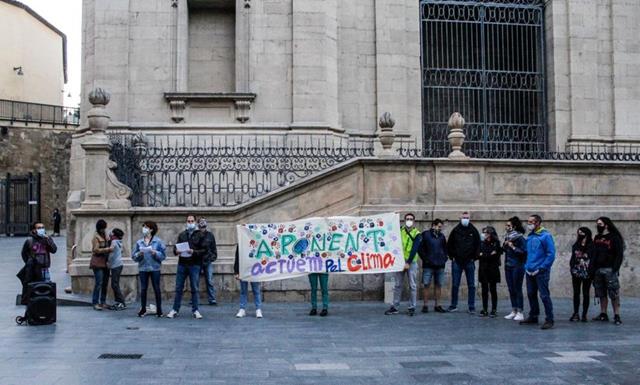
[{"x": 370, "y": 348}]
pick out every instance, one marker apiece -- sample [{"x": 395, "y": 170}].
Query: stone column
[
  {"x": 102, "y": 188},
  {"x": 315, "y": 63},
  {"x": 182, "y": 45}
]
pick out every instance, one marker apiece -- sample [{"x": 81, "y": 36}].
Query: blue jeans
[
  {"x": 101, "y": 280},
  {"x": 244, "y": 293},
  {"x": 515, "y": 277},
  {"x": 144, "y": 285},
  {"x": 193, "y": 272},
  {"x": 539, "y": 284},
  {"x": 208, "y": 270},
  {"x": 470, "y": 273}
]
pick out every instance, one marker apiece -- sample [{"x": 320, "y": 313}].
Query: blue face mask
[
  {"x": 41, "y": 232},
  {"x": 464, "y": 222},
  {"x": 191, "y": 226},
  {"x": 145, "y": 231}
]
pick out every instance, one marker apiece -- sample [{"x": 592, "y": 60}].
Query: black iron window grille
[{"x": 484, "y": 59}]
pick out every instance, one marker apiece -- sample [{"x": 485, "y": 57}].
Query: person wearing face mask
[
  {"x": 408, "y": 234},
  {"x": 207, "y": 261},
  {"x": 489, "y": 269},
  {"x": 189, "y": 265},
  {"x": 463, "y": 248},
  {"x": 99, "y": 255},
  {"x": 515, "y": 255},
  {"x": 36, "y": 255},
  {"x": 431, "y": 246},
  {"x": 608, "y": 250},
  {"x": 541, "y": 252},
  {"x": 149, "y": 252},
  {"x": 581, "y": 272}
]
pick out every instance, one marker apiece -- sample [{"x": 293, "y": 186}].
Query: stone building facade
[{"x": 246, "y": 68}]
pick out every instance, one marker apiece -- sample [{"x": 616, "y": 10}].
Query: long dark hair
[
  {"x": 517, "y": 224},
  {"x": 587, "y": 234},
  {"x": 101, "y": 226},
  {"x": 612, "y": 229},
  {"x": 492, "y": 232}
]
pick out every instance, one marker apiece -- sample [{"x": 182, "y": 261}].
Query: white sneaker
[
  {"x": 510, "y": 315},
  {"x": 258, "y": 313},
  {"x": 172, "y": 314},
  {"x": 197, "y": 315},
  {"x": 241, "y": 313},
  {"x": 519, "y": 317}
]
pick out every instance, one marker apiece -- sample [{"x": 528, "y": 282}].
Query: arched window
[{"x": 484, "y": 59}]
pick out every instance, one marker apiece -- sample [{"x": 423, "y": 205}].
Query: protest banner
[{"x": 334, "y": 245}]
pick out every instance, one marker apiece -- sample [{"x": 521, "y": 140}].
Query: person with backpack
[
  {"x": 149, "y": 252},
  {"x": 514, "y": 247},
  {"x": 489, "y": 269},
  {"x": 431, "y": 246},
  {"x": 463, "y": 248},
  {"x": 581, "y": 272},
  {"x": 116, "y": 265},
  {"x": 608, "y": 250},
  {"x": 99, "y": 254},
  {"x": 408, "y": 234}
]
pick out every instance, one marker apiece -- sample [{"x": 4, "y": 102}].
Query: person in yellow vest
[{"x": 409, "y": 234}]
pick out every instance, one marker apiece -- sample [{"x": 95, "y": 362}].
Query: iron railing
[
  {"x": 572, "y": 152},
  {"x": 220, "y": 171},
  {"x": 225, "y": 171},
  {"x": 14, "y": 111}
]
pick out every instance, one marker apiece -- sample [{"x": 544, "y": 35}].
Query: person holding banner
[
  {"x": 244, "y": 291},
  {"x": 408, "y": 234},
  {"x": 324, "y": 288}
]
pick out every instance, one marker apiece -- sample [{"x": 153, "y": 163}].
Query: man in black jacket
[
  {"x": 207, "y": 261},
  {"x": 36, "y": 254},
  {"x": 608, "y": 250},
  {"x": 189, "y": 265},
  {"x": 431, "y": 245},
  {"x": 463, "y": 248}
]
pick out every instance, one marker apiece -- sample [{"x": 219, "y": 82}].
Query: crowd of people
[{"x": 529, "y": 253}]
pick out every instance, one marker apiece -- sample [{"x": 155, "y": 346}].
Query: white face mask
[
  {"x": 145, "y": 231},
  {"x": 464, "y": 222},
  {"x": 41, "y": 232},
  {"x": 408, "y": 223},
  {"x": 191, "y": 226},
  {"x": 531, "y": 227},
  {"x": 483, "y": 237}
]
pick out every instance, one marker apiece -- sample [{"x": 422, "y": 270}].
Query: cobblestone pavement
[{"x": 355, "y": 344}]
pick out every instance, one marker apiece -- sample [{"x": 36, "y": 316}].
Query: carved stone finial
[
  {"x": 386, "y": 136},
  {"x": 97, "y": 116},
  {"x": 99, "y": 96},
  {"x": 456, "y": 136},
  {"x": 247, "y": 3}
]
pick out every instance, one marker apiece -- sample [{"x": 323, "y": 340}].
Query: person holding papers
[
  {"x": 190, "y": 247},
  {"x": 149, "y": 252}
]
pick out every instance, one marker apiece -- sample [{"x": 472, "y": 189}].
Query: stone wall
[
  {"x": 566, "y": 194},
  {"x": 32, "y": 149}
]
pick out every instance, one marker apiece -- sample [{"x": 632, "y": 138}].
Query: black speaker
[{"x": 41, "y": 309}]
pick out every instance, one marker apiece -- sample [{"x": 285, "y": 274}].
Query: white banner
[{"x": 334, "y": 245}]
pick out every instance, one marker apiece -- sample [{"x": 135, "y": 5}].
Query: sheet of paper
[{"x": 183, "y": 249}]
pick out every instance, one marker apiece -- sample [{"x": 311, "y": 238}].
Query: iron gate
[
  {"x": 19, "y": 203},
  {"x": 484, "y": 59}
]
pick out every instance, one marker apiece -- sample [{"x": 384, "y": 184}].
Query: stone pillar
[
  {"x": 182, "y": 46},
  {"x": 102, "y": 188},
  {"x": 315, "y": 63}
]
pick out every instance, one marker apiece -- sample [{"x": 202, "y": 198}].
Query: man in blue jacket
[{"x": 541, "y": 253}]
